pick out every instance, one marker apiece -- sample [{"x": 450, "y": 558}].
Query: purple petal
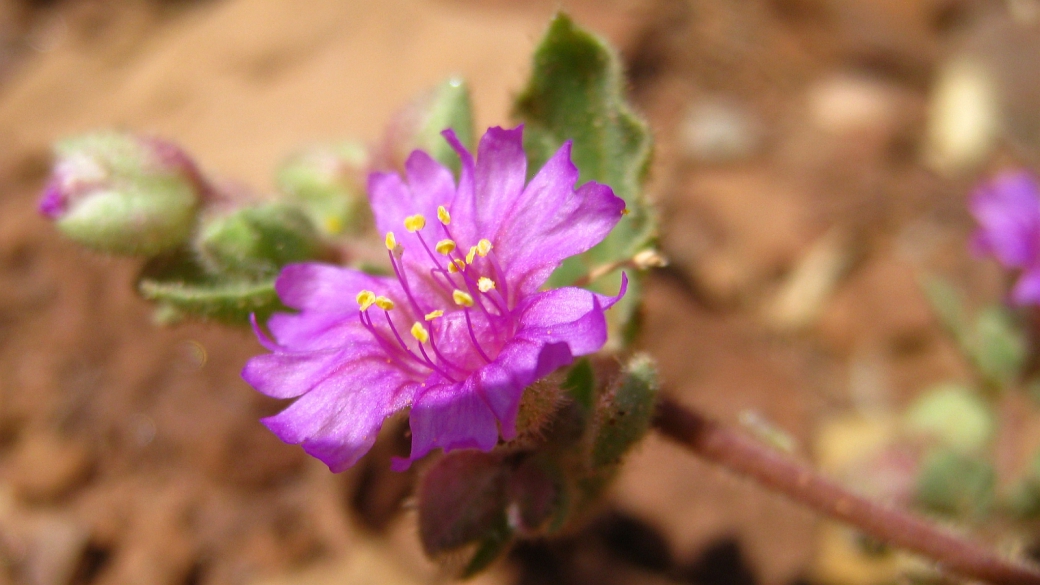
[
  {"x": 550, "y": 222},
  {"x": 1027, "y": 289},
  {"x": 520, "y": 363},
  {"x": 337, "y": 421},
  {"x": 288, "y": 375},
  {"x": 52, "y": 203},
  {"x": 329, "y": 289},
  {"x": 452, "y": 416},
  {"x": 498, "y": 179},
  {"x": 1008, "y": 211}
]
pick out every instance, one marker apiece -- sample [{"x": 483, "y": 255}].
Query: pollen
[
  {"x": 625, "y": 211},
  {"x": 485, "y": 284},
  {"x": 365, "y": 299},
  {"x": 456, "y": 265},
  {"x": 483, "y": 247},
  {"x": 434, "y": 315},
  {"x": 391, "y": 241},
  {"x": 445, "y": 247},
  {"x": 462, "y": 299},
  {"x": 384, "y": 303},
  {"x": 471, "y": 255},
  {"x": 414, "y": 223},
  {"x": 420, "y": 333},
  {"x": 443, "y": 215}
]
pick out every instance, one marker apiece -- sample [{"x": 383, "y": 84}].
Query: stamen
[
  {"x": 456, "y": 266},
  {"x": 420, "y": 333},
  {"x": 485, "y": 284},
  {"x": 462, "y": 299},
  {"x": 365, "y": 299},
  {"x": 414, "y": 223},
  {"x": 471, "y": 255},
  {"x": 473, "y": 338},
  {"x": 483, "y": 247},
  {"x": 445, "y": 247},
  {"x": 625, "y": 211},
  {"x": 391, "y": 241},
  {"x": 443, "y": 215},
  {"x": 434, "y": 315},
  {"x": 384, "y": 303}
]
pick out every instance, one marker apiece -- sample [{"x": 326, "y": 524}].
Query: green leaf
[
  {"x": 955, "y": 415},
  {"x": 448, "y": 106},
  {"x": 956, "y": 484},
  {"x": 998, "y": 348},
  {"x": 623, "y": 415},
  {"x": 577, "y": 92},
  {"x": 948, "y": 306},
  {"x": 181, "y": 285}
]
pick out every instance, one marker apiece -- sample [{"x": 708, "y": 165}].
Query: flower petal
[
  {"x": 328, "y": 289},
  {"x": 551, "y": 221},
  {"x": 452, "y": 416},
  {"x": 1008, "y": 211},
  {"x": 520, "y": 363},
  {"x": 337, "y": 421},
  {"x": 1027, "y": 289}
]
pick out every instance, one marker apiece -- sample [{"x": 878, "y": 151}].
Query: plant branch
[{"x": 742, "y": 455}]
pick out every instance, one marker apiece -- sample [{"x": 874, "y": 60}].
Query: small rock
[
  {"x": 718, "y": 131},
  {"x": 964, "y": 115},
  {"x": 847, "y": 102}
]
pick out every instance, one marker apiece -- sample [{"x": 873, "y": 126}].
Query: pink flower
[{"x": 462, "y": 328}]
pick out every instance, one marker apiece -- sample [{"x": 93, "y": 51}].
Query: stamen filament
[
  {"x": 393, "y": 352},
  {"x": 427, "y": 361},
  {"x": 473, "y": 337}
]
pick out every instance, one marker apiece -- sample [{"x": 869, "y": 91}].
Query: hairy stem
[{"x": 733, "y": 450}]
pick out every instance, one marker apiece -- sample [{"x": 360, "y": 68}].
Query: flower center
[{"x": 475, "y": 285}]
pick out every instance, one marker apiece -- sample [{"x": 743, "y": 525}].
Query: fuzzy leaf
[
  {"x": 180, "y": 285},
  {"x": 577, "y": 92},
  {"x": 623, "y": 416},
  {"x": 461, "y": 501}
]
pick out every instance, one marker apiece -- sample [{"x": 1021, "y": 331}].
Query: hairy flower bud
[
  {"x": 123, "y": 194},
  {"x": 257, "y": 241},
  {"x": 329, "y": 182}
]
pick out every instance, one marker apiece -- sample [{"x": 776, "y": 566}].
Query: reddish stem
[{"x": 738, "y": 453}]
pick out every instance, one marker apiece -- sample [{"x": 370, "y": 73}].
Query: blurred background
[{"x": 813, "y": 161}]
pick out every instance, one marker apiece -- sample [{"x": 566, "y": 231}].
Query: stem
[{"x": 744, "y": 456}]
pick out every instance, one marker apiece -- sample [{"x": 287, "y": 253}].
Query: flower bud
[
  {"x": 123, "y": 194},
  {"x": 420, "y": 123},
  {"x": 329, "y": 183},
  {"x": 257, "y": 241}
]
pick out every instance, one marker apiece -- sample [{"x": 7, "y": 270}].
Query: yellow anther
[
  {"x": 445, "y": 247},
  {"x": 365, "y": 299},
  {"x": 391, "y": 241},
  {"x": 483, "y": 247},
  {"x": 471, "y": 255},
  {"x": 462, "y": 299},
  {"x": 443, "y": 215},
  {"x": 625, "y": 211},
  {"x": 456, "y": 265},
  {"x": 433, "y": 315},
  {"x": 414, "y": 223},
  {"x": 485, "y": 284},
  {"x": 384, "y": 303},
  {"x": 420, "y": 333}
]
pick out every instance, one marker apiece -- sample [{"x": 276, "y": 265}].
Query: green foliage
[
  {"x": 183, "y": 288},
  {"x": 577, "y": 92},
  {"x": 956, "y": 484},
  {"x": 955, "y": 416},
  {"x": 329, "y": 183},
  {"x": 255, "y": 242},
  {"x": 994, "y": 342},
  {"x": 624, "y": 414},
  {"x": 446, "y": 106}
]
